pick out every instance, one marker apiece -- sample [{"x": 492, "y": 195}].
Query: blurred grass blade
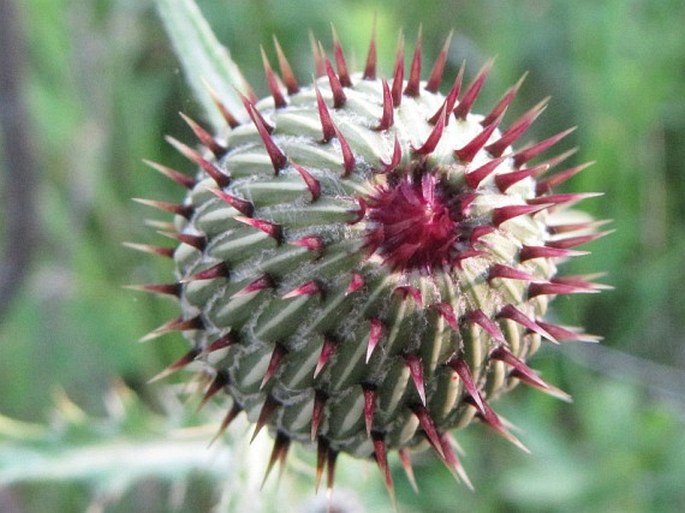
[{"x": 202, "y": 58}]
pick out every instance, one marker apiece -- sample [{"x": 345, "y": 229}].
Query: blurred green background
[{"x": 102, "y": 87}]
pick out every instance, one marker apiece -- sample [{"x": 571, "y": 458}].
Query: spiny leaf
[{"x": 202, "y": 58}]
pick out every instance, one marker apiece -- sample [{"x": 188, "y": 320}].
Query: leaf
[
  {"x": 203, "y": 58},
  {"x": 110, "y": 453}
]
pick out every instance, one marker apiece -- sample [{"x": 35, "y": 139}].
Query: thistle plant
[{"x": 363, "y": 263}]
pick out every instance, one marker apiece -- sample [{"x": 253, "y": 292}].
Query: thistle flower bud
[{"x": 364, "y": 264}]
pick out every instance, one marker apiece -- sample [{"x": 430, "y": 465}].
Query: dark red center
[{"x": 412, "y": 224}]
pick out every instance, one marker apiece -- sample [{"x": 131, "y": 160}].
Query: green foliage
[
  {"x": 204, "y": 60},
  {"x": 103, "y": 86},
  {"x": 109, "y": 460}
]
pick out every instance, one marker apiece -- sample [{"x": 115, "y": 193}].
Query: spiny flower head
[{"x": 364, "y": 264}]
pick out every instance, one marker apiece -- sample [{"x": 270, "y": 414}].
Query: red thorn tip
[
  {"x": 272, "y": 82},
  {"x": 475, "y": 177},
  {"x": 197, "y": 241},
  {"x": 169, "y": 289},
  {"x": 479, "y": 232},
  {"x": 568, "y": 333},
  {"x": 512, "y": 313},
  {"x": 327, "y": 126},
  {"x": 467, "y": 153},
  {"x": 380, "y": 453},
  {"x": 572, "y": 242},
  {"x": 492, "y": 420},
  {"x": 415, "y": 366},
  {"x": 583, "y": 280},
  {"x": 524, "y": 155},
  {"x": 434, "y": 137},
  {"x": 161, "y": 225},
  {"x": 428, "y": 425},
  {"x": 230, "y": 417},
  {"x": 369, "y": 406},
  {"x": 210, "y": 168},
  {"x": 221, "y": 343},
  {"x": 372, "y": 57},
  {"x": 274, "y": 363},
  {"x": 451, "y": 98},
  {"x": 408, "y": 291},
  {"x": 446, "y": 312},
  {"x": 279, "y": 454},
  {"x": 271, "y": 229},
  {"x": 433, "y": 84},
  {"x": 331, "y": 456},
  {"x": 413, "y": 83},
  {"x": 556, "y": 179},
  {"x": 558, "y": 159},
  {"x": 241, "y": 205},
  {"x": 321, "y": 453},
  {"x": 360, "y": 212},
  {"x": 339, "y": 97},
  {"x": 504, "y": 102},
  {"x": 153, "y": 250},
  {"x": 516, "y": 129},
  {"x": 569, "y": 198},
  {"x": 356, "y": 282},
  {"x": 278, "y": 158},
  {"x": 311, "y": 242},
  {"x": 452, "y": 461},
  {"x": 219, "y": 270},
  {"x": 310, "y": 288},
  {"x": 526, "y": 374},
  {"x": 184, "y": 360},
  {"x": 464, "y": 372},
  {"x": 530, "y": 252},
  {"x": 574, "y": 227},
  {"x": 469, "y": 98},
  {"x": 506, "y": 180},
  {"x": 348, "y": 158},
  {"x": 395, "y": 159},
  {"x": 509, "y": 273},
  {"x": 254, "y": 114},
  {"x": 501, "y": 215},
  {"x": 261, "y": 283},
  {"x": 230, "y": 119},
  {"x": 320, "y": 398},
  {"x": 490, "y": 326},
  {"x": 319, "y": 67},
  {"x": 217, "y": 384},
  {"x": 289, "y": 79},
  {"x": 340, "y": 62},
  {"x": 173, "y": 208},
  {"x": 327, "y": 350},
  {"x": 176, "y": 176},
  {"x": 555, "y": 288},
  {"x": 375, "y": 334},
  {"x": 312, "y": 183},
  {"x": 398, "y": 75},
  {"x": 205, "y": 138},
  {"x": 268, "y": 409},
  {"x": 248, "y": 91},
  {"x": 387, "y": 118},
  {"x": 408, "y": 469}
]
